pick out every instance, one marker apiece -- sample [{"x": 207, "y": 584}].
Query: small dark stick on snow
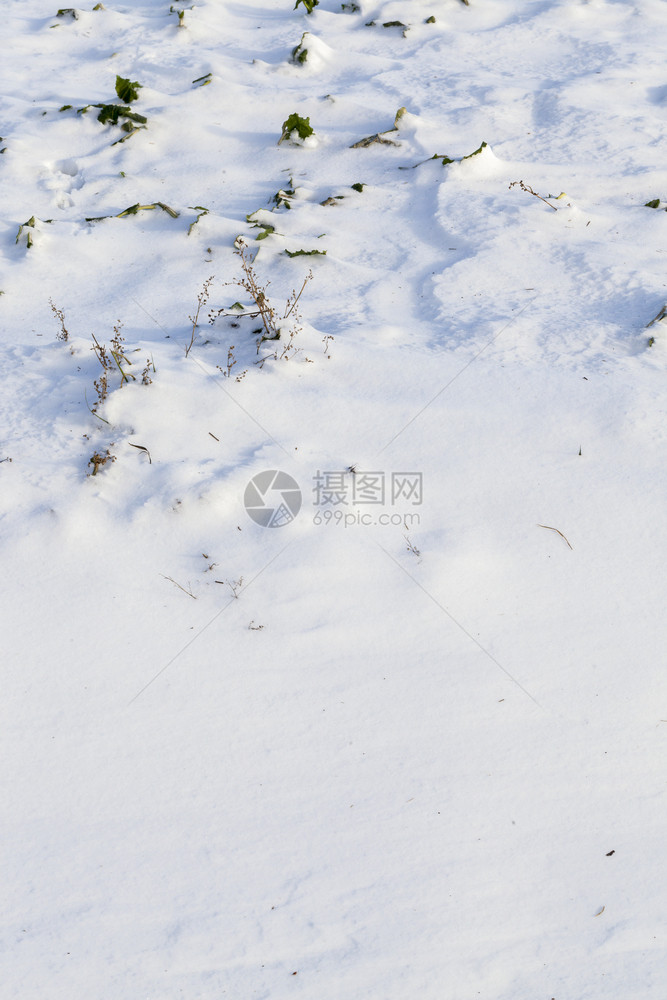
[{"x": 548, "y": 526}]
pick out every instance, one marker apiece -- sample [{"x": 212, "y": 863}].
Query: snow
[{"x": 397, "y": 749}]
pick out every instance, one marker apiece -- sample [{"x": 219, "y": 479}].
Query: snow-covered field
[{"x": 406, "y": 742}]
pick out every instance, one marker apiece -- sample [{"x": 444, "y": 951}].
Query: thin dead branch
[{"x": 549, "y": 527}]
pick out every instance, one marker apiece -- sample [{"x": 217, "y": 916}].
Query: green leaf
[
  {"x": 310, "y": 5},
  {"x": 133, "y": 209},
  {"x": 475, "y": 152},
  {"x": 447, "y": 159},
  {"x": 306, "y": 253},
  {"x": 30, "y": 224},
  {"x": 282, "y": 198},
  {"x": 358, "y": 187},
  {"x": 202, "y": 212},
  {"x": 112, "y": 112},
  {"x": 127, "y": 90},
  {"x": 653, "y": 204},
  {"x": 295, "y": 123}
]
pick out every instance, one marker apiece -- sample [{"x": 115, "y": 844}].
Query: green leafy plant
[
  {"x": 127, "y": 90},
  {"x": 109, "y": 113},
  {"x": 310, "y": 5},
  {"x": 266, "y": 228},
  {"x": 112, "y": 112},
  {"x": 283, "y": 198},
  {"x": 295, "y": 123},
  {"x": 306, "y": 253}
]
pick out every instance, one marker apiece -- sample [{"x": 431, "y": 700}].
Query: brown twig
[
  {"x": 548, "y": 526},
  {"x": 202, "y": 299},
  {"x": 171, "y": 580},
  {"x": 529, "y": 190}
]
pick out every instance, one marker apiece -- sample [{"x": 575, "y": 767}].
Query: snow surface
[{"x": 336, "y": 759}]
